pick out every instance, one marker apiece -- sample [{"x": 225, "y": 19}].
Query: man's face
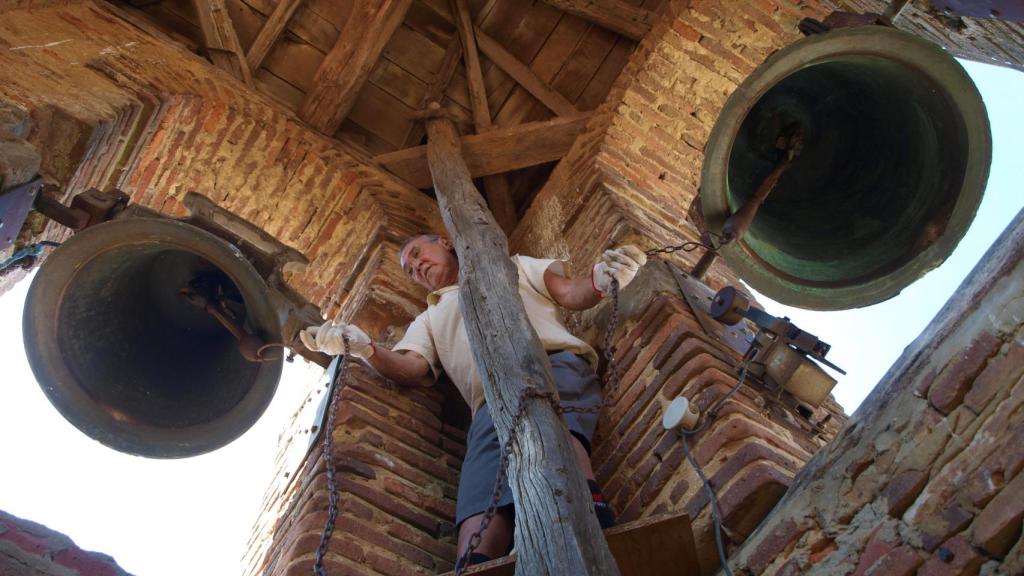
[{"x": 430, "y": 263}]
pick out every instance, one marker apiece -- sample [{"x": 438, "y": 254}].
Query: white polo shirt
[{"x": 439, "y": 335}]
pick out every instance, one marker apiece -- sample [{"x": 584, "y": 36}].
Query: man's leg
[{"x": 495, "y": 541}]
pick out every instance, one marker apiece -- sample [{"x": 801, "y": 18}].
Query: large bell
[
  {"x": 895, "y": 155},
  {"x": 129, "y": 361}
]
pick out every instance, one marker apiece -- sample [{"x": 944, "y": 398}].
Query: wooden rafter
[
  {"x": 221, "y": 40},
  {"x": 526, "y": 77},
  {"x": 436, "y": 89},
  {"x": 477, "y": 95},
  {"x": 270, "y": 32},
  {"x": 616, "y": 15},
  {"x": 345, "y": 69},
  {"x": 495, "y": 152}
]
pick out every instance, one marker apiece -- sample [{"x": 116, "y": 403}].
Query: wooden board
[{"x": 656, "y": 546}]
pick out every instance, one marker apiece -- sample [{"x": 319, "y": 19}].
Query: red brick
[
  {"x": 998, "y": 527},
  {"x": 954, "y": 558},
  {"x": 901, "y": 561},
  {"x": 902, "y": 490},
  {"x": 948, "y": 390}
]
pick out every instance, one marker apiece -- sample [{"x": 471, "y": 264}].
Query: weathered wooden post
[{"x": 557, "y": 532}]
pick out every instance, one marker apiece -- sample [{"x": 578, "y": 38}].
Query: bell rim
[
  {"x": 892, "y": 44},
  {"x": 39, "y": 325}
]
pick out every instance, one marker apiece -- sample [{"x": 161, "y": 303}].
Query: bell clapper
[{"x": 790, "y": 142}]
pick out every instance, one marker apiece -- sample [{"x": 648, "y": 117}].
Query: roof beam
[
  {"x": 270, "y": 32},
  {"x": 221, "y": 40},
  {"x": 526, "y": 77},
  {"x": 347, "y": 66},
  {"x": 495, "y": 152},
  {"x": 435, "y": 92},
  {"x": 477, "y": 95},
  {"x": 616, "y": 15}
]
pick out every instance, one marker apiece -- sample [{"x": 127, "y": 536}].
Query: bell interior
[
  {"x": 882, "y": 164},
  {"x": 144, "y": 354}
]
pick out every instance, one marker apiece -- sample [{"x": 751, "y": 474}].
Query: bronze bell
[
  {"x": 131, "y": 362},
  {"x": 892, "y": 158}
]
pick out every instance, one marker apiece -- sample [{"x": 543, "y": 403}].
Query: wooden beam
[
  {"x": 499, "y": 200},
  {"x": 477, "y": 95},
  {"x": 435, "y": 92},
  {"x": 496, "y": 152},
  {"x": 522, "y": 74},
  {"x": 270, "y": 32},
  {"x": 615, "y": 15},
  {"x": 556, "y": 529},
  {"x": 221, "y": 40},
  {"x": 345, "y": 69}
]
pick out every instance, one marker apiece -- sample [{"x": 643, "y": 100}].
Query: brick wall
[
  {"x": 634, "y": 172},
  {"x": 397, "y": 471},
  {"x": 30, "y": 549},
  {"x": 751, "y": 451},
  {"x": 116, "y": 105},
  {"x": 998, "y": 42},
  {"x": 926, "y": 478}
]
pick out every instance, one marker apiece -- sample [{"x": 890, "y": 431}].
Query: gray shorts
[{"x": 577, "y": 385}]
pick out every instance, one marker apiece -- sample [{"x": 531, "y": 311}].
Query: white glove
[
  {"x": 623, "y": 263},
  {"x": 329, "y": 338}
]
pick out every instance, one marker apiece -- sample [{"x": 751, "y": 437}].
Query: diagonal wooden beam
[
  {"x": 495, "y": 152},
  {"x": 345, "y": 69},
  {"x": 435, "y": 92},
  {"x": 270, "y": 32},
  {"x": 477, "y": 95},
  {"x": 522, "y": 74},
  {"x": 616, "y": 15},
  {"x": 221, "y": 40}
]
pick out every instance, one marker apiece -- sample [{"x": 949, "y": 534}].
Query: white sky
[{"x": 193, "y": 517}]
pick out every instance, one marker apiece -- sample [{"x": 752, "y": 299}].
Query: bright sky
[{"x": 193, "y": 517}]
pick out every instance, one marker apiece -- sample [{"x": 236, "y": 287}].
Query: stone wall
[{"x": 30, "y": 549}]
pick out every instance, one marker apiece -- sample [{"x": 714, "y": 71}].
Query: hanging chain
[
  {"x": 611, "y": 384},
  {"x": 688, "y": 246},
  {"x": 337, "y": 385}
]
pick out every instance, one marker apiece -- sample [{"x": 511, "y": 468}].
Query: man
[{"x": 436, "y": 340}]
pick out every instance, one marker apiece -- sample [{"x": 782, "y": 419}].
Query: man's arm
[
  {"x": 405, "y": 367},
  {"x": 571, "y": 293},
  {"x": 586, "y": 291}
]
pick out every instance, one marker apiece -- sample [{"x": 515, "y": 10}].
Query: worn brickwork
[
  {"x": 397, "y": 470},
  {"x": 635, "y": 171},
  {"x": 988, "y": 40},
  {"x": 30, "y": 549},
  {"x": 926, "y": 478},
  {"x": 117, "y": 106},
  {"x": 751, "y": 451}
]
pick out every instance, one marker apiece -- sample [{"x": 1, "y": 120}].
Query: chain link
[
  {"x": 328, "y": 452},
  {"x": 689, "y": 246}
]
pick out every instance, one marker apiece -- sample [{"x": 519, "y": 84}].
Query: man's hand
[
  {"x": 622, "y": 263},
  {"x": 329, "y": 338}
]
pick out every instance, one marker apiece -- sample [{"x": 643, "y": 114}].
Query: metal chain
[
  {"x": 689, "y": 246},
  {"x": 611, "y": 384},
  {"x": 337, "y": 385}
]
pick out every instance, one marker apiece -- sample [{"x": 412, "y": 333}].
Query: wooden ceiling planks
[{"x": 573, "y": 57}]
